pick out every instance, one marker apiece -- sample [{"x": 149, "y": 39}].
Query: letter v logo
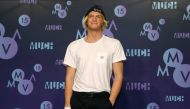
[
  {"x": 181, "y": 75},
  {"x": 185, "y": 77},
  {"x": 6, "y": 47}
]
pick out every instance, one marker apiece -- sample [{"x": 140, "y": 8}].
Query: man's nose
[{"x": 94, "y": 18}]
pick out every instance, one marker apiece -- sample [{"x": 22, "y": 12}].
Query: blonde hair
[{"x": 84, "y": 23}]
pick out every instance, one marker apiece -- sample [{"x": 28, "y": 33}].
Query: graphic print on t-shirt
[{"x": 101, "y": 57}]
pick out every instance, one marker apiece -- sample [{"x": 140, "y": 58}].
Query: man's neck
[{"x": 93, "y": 36}]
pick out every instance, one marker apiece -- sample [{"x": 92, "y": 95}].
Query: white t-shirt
[{"x": 93, "y": 63}]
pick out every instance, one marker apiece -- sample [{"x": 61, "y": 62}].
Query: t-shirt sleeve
[
  {"x": 70, "y": 57},
  {"x": 118, "y": 54}
]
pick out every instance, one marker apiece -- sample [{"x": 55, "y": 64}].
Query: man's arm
[
  {"x": 117, "y": 83},
  {"x": 69, "y": 80}
]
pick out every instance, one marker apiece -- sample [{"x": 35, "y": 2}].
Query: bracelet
[{"x": 67, "y": 107}]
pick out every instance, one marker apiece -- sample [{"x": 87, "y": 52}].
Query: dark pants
[{"x": 88, "y": 100}]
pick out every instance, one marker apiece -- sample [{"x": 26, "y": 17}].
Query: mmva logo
[
  {"x": 120, "y": 11},
  {"x": 152, "y": 34},
  {"x": 183, "y": 35},
  {"x": 107, "y": 31},
  {"x": 164, "y": 5},
  {"x": 59, "y": 62},
  {"x": 187, "y": 16},
  {"x": 153, "y": 105},
  {"x": 46, "y": 105},
  {"x": 181, "y": 75},
  {"x": 138, "y": 52},
  {"x": 79, "y": 35},
  {"x": 50, "y": 85},
  {"x": 28, "y": 2},
  {"x": 25, "y": 87},
  {"x": 58, "y": 9},
  {"x": 8, "y": 46},
  {"x": 24, "y": 20},
  {"x": 41, "y": 46},
  {"x": 174, "y": 99},
  {"x": 53, "y": 27},
  {"x": 133, "y": 86}
]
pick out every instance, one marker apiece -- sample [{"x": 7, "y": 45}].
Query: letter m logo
[{"x": 162, "y": 72}]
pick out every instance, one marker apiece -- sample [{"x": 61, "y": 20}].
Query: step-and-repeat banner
[{"x": 155, "y": 35}]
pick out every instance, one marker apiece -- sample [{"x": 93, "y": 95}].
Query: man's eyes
[{"x": 98, "y": 16}]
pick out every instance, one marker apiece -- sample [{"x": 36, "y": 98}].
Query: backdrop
[{"x": 155, "y": 35}]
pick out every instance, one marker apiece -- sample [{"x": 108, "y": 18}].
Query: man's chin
[{"x": 94, "y": 28}]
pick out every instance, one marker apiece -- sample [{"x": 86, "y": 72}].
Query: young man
[{"x": 90, "y": 61}]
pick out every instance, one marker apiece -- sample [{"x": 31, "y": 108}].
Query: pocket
[
  {"x": 71, "y": 100},
  {"x": 110, "y": 104}
]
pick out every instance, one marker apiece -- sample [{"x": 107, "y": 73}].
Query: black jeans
[{"x": 90, "y": 100}]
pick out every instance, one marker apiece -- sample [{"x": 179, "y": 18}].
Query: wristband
[{"x": 67, "y": 107}]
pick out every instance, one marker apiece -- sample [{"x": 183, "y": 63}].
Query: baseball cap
[{"x": 96, "y": 8}]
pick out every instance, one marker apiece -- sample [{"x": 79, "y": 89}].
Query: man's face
[{"x": 95, "y": 21}]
